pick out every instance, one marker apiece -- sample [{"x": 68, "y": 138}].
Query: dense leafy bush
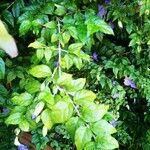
[{"x": 82, "y": 70}]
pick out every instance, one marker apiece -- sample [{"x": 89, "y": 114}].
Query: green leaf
[
  {"x": 51, "y": 25},
  {"x": 8, "y": 17},
  {"x": 24, "y": 27},
  {"x": 102, "y": 127},
  {"x": 78, "y": 62},
  {"x": 61, "y": 111},
  {"x": 38, "y": 108},
  {"x": 23, "y": 99},
  {"x": 48, "y": 8},
  {"x": 46, "y": 118},
  {"x": 75, "y": 85},
  {"x": 73, "y": 32},
  {"x": 37, "y": 44},
  {"x": 40, "y": 71},
  {"x": 72, "y": 124},
  {"x": 83, "y": 135},
  {"x": 54, "y": 37},
  {"x": 3, "y": 90},
  {"x": 106, "y": 142},
  {"x": 2, "y": 68},
  {"x": 82, "y": 32},
  {"x": 48, "y": 55},
  {"x": 95, "y": 24},
  {"x": 39, "y": 54},
  {"x": 14, "y": 118},
  {"x": 67, "y": 61},
  {"x": 83, "y": 96},
  {"x": 32, "y": 86},
  {"x": 93, "y": 112},
  {"x": 90, "y": 146},
  {"x": 24, "y": 125},
  {"x": 60, "y": 10},
  {"x": 20, "y": 109},
  {"x": 11, "y": 76},
  {"x": 65, "y": 78},
  {"x": 47, "y": 97},
  {"x": 66, "y": 37},
  {"x": 75, "y": 47},
  {"x": 44, "y": 131}
]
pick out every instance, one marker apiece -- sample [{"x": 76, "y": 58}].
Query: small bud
[{"x": 120, "y": 24}]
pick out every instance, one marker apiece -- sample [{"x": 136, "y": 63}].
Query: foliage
[{"x": 82, "y": 69}]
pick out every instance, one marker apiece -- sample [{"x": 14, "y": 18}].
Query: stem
[
  {"x": 59, "y": 48},
  {"x": 76, "y": 109}
]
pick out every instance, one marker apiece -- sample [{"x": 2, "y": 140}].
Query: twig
[{"x": 59, "y": 48}]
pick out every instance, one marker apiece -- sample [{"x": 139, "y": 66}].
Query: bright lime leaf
[
  {"x": 36, "y": 44},
  {"x": 73, "y": 32},
  {"x": 72, "y": 124},
  {"x": 102, "y": 127},
  {"x": 67, "y": 61},
  {"x": 51, "y": 25},
  {"x": 95, "y": 24},
  {"x": 24, "y": 125},
  {"x": 64, "y": 79},
  {"x": 75, "y": 85},
  {"x": 20, "y": 109},
  {"x": 83, "y": 135},
  {"x": 54, "y": 37},
  {"x": 90, "y": 146},
  {"x": 93, "y": 112},
  {"x": 47, "y": 54},
  {"x": 38, "y": 108},
  {"x": 75, "y": 47},
  {"x": 39, "y": 54},
  {"x": 46, "y": 118},
  {"x": 14, "y": 118},
  {"x": 84, "y": 96},
  {"x": 78, "y": 62},
  {"x": 44, "y": 131},
  {"x": 23, "y": 99},
  {"x": 32, "y": 86},
  {"x": 40, "y": 71},
  {"x": 47, "y": 97},
  {"x": 106, "y": 142},
  {"x": 2, "y": 68},
  {"x": 66, "y": 37},
  {"x": 62, "y": 111}
]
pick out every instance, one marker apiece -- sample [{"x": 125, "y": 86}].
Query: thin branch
[{"x": 59, "y": 48}]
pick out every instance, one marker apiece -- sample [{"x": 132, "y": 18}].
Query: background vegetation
[{"x": 83, "y": 73}]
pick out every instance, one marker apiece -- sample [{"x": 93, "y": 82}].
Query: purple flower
[
  {"x": 129, "y": 82},
  {"x": 101, "y": 11},
  {"x": 113, "y": 123},
  {"x": 22, "y": 147},
  {"x": 6, "y": 110},
  {"x": 33, "y": 116},
  {"x": 56, "y": 63},
  {"x": 94, "y": 56},
  {"x": 114, "y": 83},
  {"x": 111, "y": 25},
  {"x": 107, "y": 2}
]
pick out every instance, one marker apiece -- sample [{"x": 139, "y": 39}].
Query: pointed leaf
[
  {"x": 46, "y": 118},
  {"x": 83, "y": 135},
  {"x": 40, "y": 71},
  {"x": 61, "y": 111}
]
